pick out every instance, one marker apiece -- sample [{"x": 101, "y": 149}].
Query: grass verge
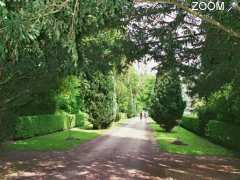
[
  {"x": 195, "y": 145},
  {"x": 57, "y": 141},
  {"x": 54, "y": 141}
]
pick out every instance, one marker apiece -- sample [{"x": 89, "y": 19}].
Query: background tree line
[
  {"x": 203, "y": 56},
  {"x": 64, "y": 58},
  {"x": 61, "y": 56},
  {"x": 74, "y": 56}
]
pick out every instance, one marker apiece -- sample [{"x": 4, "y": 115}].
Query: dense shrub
[
  {"x": 222, "y": 105},
  {"x": 224, "y": 133},
  {"x": 69, "y": 97},
  {"x": 7, "y": 125},
  {"x": 99, "y": 99},
  {"x": 226, "y": 103},
  {"x": 190, "y": 123},
  {"x": 167, "y": 103},
  {"x": 29, "y": 126},
  {"x": 81, "y": 118},
  {"x": 205, "y": 113}
]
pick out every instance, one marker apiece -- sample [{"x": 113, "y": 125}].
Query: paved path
[{"x": 123, "y": 153}]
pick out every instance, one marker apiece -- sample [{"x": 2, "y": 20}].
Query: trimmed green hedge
[
  {"x": 190, "y": 123},
  {"x": 30, "y": 126},
  {"x": 224, "y": 133}
]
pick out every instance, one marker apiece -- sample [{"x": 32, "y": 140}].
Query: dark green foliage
[
  {"x": 220, "y": 59},
  {"x": 7, "y": 125},
  {"x": 222, "y": 105},
  {"x": 167, "y": 103},
  {"x": 40, "y": 60},
  {"x": 224, "y": 133},
  {"x": 32, "y": 80},
  {"x": 30, "y": 126},
  {"x": 128, "y": 91},
  {"x": 190, "y": 123},
  {"x": 100, "y": 101},
  {"x": 122, "y": 94},
  {"x": 69, "y": 96},
  {"x": 226, "y": 103},
  {"x": 81, "y": 118},
  {"x": 205, "y": 113},
  {"x": 218, "y": 80},
  {"x": 132, "y": 109}
]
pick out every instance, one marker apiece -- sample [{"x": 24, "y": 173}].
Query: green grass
[
  {"x": 57, "y": 141},
  {"x": 196, "y": 145}
]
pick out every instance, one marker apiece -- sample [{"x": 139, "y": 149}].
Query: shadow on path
[{"x": 125, "y": 153}]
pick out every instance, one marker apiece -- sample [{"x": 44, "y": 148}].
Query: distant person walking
[
  {"x": 145, "y": 115},
  {"x": 141, "y": 115}
]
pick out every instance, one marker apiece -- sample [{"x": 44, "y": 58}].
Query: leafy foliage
[
  {"x": 222, "y": 105},
  {"x": 127, "y": 92},
  {"x": 122, "y": 91},
  {"x": 146, "y": 89},
  {"x": 7, "y": 125},
  {"x": 226, "y": 104},
  {"x": 134, "y": 91},
  {"x": 81, "y": 119},
  {"x": 100, "y": 100},
  {"x": 167, "y": 103},
  {"x": 70, "y": 95},
  {"x": 163, "y": 37},
  {"x": 47, "y": 47},
  {"x": 224, "y": 133}
]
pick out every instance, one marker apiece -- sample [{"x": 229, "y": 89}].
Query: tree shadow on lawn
[
  {"x": 97, "y": 160},
  {"x": 163, "y": 131},
  {"x": 50, "y": 142}
]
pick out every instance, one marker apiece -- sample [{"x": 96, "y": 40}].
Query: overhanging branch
[{"x": 205, "y": 18}]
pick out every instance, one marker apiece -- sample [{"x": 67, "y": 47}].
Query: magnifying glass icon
[{"x": 235, "y": 4}]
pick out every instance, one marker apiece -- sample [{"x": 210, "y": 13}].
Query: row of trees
[
  {"x": 74, "y": 56},
  {"x": 68, "y": 57},
  {"x": 60, "y": 56},
  {"x": 203, "y": 52},
  {"x": 134, "y": 91}
]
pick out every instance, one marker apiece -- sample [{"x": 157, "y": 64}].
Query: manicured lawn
[
  {"x": 196, "y": 145},
  {"x": 55, "y": 141},
  {"x": 58, "y": 141}
]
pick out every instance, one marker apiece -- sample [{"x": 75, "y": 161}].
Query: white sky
[{"x": 145, "y": 68}]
